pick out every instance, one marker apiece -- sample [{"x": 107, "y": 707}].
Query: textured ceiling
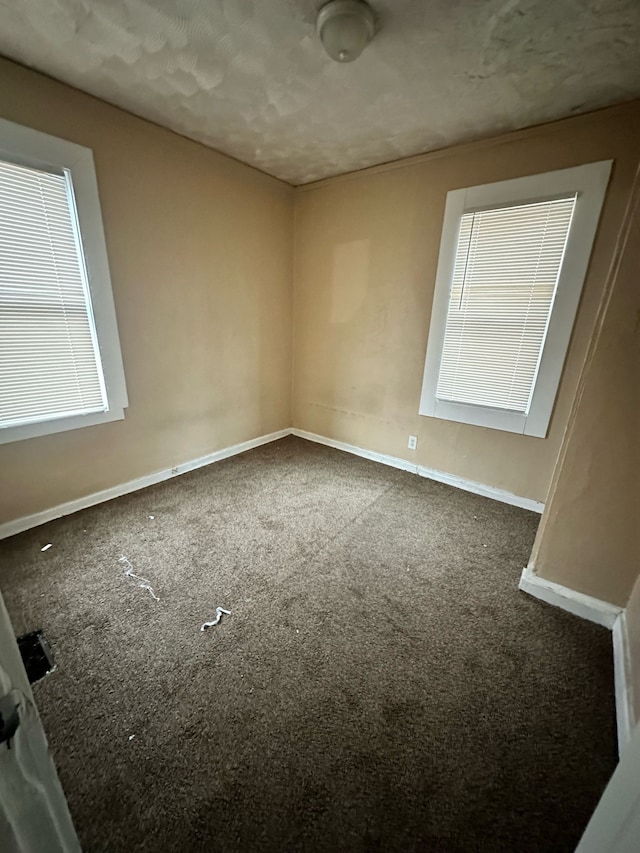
[{"x": 251, "y": 79}]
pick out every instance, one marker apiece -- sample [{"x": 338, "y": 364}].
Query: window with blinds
[
  {"x": 506, "y": 271},
  {"x": 512, "y": 263},
  {"x": 50, "y": 364}
]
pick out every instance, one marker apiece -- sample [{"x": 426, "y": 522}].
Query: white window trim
[
  {"x": 590, "y": 183},
  {"x": 30, "y": 147}
]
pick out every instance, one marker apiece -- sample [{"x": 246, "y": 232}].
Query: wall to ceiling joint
[{"x": 252, "y": 80}]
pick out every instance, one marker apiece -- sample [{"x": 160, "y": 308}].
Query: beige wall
[
  {"x": 200, "y": 252},
  {"x": 366, "y": 249},
  {"x": 589, "y": 539}
]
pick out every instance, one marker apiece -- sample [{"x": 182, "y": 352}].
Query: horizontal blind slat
[
  {"x": 49, "y": 363},
  {"x": 505, "y": 275}
]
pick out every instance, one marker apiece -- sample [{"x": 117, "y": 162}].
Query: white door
[
  {"x": 34, "y": 817},
  {"x": 615, "y": 825}
]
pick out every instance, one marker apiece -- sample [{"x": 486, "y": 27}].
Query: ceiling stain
[{"x": 252, "y": 80}]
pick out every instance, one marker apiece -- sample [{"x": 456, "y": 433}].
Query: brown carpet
[{"x": 380, "y": 685}]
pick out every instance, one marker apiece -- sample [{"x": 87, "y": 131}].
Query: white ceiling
[{"x": 251, "y": 79}]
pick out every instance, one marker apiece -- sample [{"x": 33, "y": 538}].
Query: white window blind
[
  {"x": 506, "y": 271},
  {"x": 49, "y": 359}
]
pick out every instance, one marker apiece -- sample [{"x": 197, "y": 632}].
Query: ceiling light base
[{"x": 345, "y": 28}]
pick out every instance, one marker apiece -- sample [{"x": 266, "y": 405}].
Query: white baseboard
[
  {"x": 385, "y": 459},
  {"x": 592, "y": 609},
  {"x": 622, "y": 676},
  {"x": 481, "y": 489},
  {"x": 10, "y": 528},
  {"x": 602, "y": 613},
  {"x": 429, "y": 473}
]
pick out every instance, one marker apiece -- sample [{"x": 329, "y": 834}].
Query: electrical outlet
[{"x": 413, "y": 442}]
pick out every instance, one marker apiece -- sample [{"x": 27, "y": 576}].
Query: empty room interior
[{"x": 319, "y": 426}]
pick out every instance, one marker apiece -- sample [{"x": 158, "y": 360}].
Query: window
[
  {"x": 513, "y": 258},
  {"x": 60, "y": 363}
]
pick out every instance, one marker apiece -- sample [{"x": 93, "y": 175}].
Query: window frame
[
  {"x": 589, "y": 182},
  {"x": 28, "y": 147}
]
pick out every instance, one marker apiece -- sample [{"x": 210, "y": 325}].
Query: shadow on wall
[
  {"x": 351, "y": 385},
  {"x": 365, "y": 375},
  {"x": 349, "y": 279}
]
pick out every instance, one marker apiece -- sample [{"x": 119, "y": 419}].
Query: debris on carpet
[
  {"x": 219, "y": 612},
  {"x": 142, "y": 582}
]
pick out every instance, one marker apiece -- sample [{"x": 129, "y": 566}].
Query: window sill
[
  {"x": 484, "y": 417},
  {"x": 11, "y": 434}
]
